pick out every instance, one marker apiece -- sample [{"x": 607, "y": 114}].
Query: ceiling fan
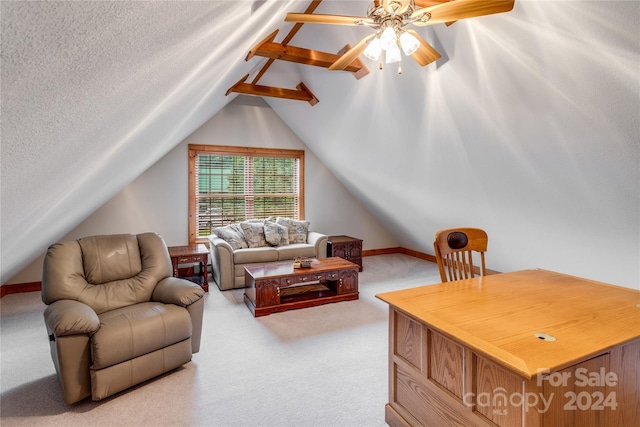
[{"x": 390, "y": 17}]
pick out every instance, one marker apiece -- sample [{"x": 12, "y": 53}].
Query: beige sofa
[
  {"x": 115, "y": 315},
  {"x": 238, "y": 248}
]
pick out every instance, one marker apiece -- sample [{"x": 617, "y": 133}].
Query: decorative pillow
[
  {"x": 254, "y": 233},
  {"x": 276, "y": 234},
  {"x": 297, "y": 229},
  {"x": 233, "y": 235}
]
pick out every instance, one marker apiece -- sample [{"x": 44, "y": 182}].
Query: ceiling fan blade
[
  {"x": 425, "y": 54},
  {"x": 461, "y": 9},
  {"x": 346, "y": 59},
  {"x": 426, "y": 3},
  {"x": 312, "y": 18}
]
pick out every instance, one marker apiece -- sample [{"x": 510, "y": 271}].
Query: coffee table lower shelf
[{"x": 311, "y": 299}]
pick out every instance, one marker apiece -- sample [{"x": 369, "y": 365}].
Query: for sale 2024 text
[{"x": 595, "y": 398}]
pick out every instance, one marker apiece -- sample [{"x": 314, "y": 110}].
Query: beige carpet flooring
[{"x": 319, "y": 366}]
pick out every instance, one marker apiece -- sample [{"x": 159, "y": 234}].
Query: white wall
[
  {"x": 158, "y": 199},
  {"x": 529, "y": 127}
]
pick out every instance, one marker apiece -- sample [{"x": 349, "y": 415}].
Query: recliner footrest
[
  {"x": 111, "y": 380},
  {"x": 132, "y": 331}
]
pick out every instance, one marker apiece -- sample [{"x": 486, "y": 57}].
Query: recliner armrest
[
  {"x": 69, "y": 317},
  {"x": 173, "y": 290}
]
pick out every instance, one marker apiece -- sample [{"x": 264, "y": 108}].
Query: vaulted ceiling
[{"x": 527, "y": 125}]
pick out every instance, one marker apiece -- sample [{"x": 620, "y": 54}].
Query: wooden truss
[{"x": 282, "y": 51}]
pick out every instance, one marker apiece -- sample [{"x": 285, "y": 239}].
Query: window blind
[{"x": 234, "y": 185}]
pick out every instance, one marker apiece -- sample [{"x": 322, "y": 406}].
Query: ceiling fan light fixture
[
  {"x": 409, "y": 43},
  {"x": 393, "y": 54},
  {"x": 373, "y": 50},
  {"x": 388, "y": 38}
]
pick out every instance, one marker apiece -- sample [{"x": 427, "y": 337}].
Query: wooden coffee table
[{"x": 278, "y": 286}]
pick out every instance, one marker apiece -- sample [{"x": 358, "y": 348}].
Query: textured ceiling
[
  {"x": 528, "y": 126},
  {"x": 93, "y": 93}
]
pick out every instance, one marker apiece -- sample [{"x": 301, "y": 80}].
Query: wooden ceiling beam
[
  {"x": 310, "y": 9},
  {"x": 301, "y": 94},
  {"x": 269, "y": 49}
]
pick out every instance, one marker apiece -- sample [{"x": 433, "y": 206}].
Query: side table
[
  {"x": 191, "y": 254},
  {"x": 345, "y": 247}
]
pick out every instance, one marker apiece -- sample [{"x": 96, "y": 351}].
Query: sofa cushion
[
  {"x": 129, "y": 332},
  {"x": 253, "y": 255},
  {"x": 233, "y": 235},
  {"x": 297, "y": 229},
  {"x": 254, "y": 233},
  {"x": 276, "y": 234},
  {"x": 296, "y": 250}
]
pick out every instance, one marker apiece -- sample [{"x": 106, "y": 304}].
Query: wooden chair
[{"x": 454, "y": 252}]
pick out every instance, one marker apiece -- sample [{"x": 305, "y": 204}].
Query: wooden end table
[
  {"x": 278, "y": 286},
  {"x": 346, "y": 247},
  {"x": 191, "y": 254}
]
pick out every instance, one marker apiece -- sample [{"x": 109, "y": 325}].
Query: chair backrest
[
  {"x": 454, "y": 252},
  {"x": 105, "y": 272}
]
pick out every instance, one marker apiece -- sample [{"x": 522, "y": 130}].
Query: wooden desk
[
  {"x": 466, "y": 352},
  {"x": 190, "y": 254}
]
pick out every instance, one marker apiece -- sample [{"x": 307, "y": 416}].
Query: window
[{"x": 233, "y": 184}]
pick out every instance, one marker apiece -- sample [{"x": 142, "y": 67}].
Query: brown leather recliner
[{"x": 116, "y": 317}]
